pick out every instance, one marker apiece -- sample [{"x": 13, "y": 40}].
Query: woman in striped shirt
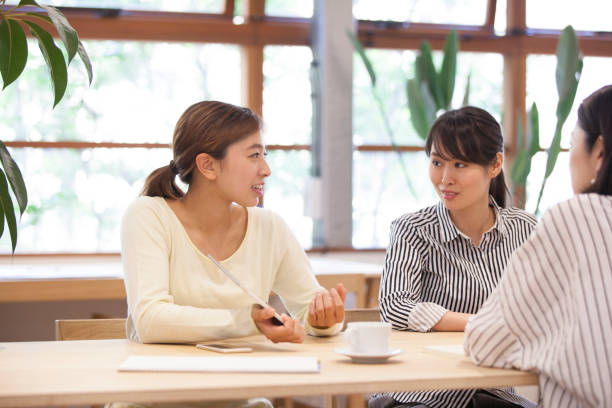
[
  {"x": 444, "y": 261},
  {"x": 552, "y": 311}
]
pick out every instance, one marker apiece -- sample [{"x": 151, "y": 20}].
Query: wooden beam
[
  {"x": 129, "y": 25},
  {"x": 228, "y": 10},
  {"x": 515, "y": 85},
  {"x": 252, "y": 78},
  {"x": 490, "y": 17},
  {"x": 252, "y": 60}
]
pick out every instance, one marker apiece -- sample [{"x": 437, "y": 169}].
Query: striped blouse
[
  {"x": 552, "y": 311},
  {"x": 431, "y": 268}
]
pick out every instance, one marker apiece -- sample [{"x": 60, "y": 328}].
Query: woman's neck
[
  {"x": 207, "y": 212},
  {"x": 474, "y": 221}
]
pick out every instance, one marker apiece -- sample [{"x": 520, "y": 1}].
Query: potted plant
[{"x": 39, "y": 20}]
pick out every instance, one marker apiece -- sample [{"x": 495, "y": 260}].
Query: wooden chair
[
  {"x": 354, "y": 283},
  {"x": 361, "y": 315},
  {"x": 90, "y": 329}
]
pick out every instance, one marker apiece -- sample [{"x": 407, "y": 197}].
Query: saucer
[{"x": 368, "y": 358}]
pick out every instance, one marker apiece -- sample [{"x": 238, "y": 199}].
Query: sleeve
[
  {"x": 528, "y": 308},
  {"x": 488, "y": 339},
  {"x": 295, "y": 282},
  {"x": 401, "y": 282},
  {"x": 153, "y": 314}
]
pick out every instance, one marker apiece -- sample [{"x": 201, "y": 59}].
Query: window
[
  {"x": 422, "y": 11},
  {"x": 77, "y": 196},
  {"x": 587, "y": 15},
  {"x": 380, "y": 189},
  {"x": 287, "y": 113},
  {"x": 541, "y": 89}
]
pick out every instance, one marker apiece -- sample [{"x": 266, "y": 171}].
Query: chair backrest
[
  {"x": 353, "y": 283},
  {"x": 90, "y": 329},
  {"x": 361, "y": 315}
]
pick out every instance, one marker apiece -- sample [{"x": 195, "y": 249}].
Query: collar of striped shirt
[{"x": 449, "y": 231}]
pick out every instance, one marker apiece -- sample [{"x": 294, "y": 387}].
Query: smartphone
[{"x": 223, "y": 348}]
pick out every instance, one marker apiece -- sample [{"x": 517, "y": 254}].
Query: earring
[{"x": 593, "y": 180}]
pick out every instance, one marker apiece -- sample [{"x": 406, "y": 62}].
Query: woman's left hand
[{"x": 327, "y": 308}]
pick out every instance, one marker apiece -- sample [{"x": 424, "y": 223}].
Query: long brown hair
[
  {"x": 205, "y": 127},
  {"x": 472, "y": 135},
  {"x": 595, "y": 118}
]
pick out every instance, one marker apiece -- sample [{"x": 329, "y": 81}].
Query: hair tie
[{"x": 173, "y": 167}]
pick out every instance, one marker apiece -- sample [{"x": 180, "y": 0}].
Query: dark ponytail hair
[
  {"x": 205, "y": 127},
  {"x": 595, "y": 118},
  {"x": 471, "y": 135}
]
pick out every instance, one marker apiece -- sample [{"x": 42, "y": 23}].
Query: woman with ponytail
[
  {"x": 443, "y": 261},
  {"x": 175, "y": 293}
]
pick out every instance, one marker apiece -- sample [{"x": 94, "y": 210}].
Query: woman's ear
[
  {"x": 206, "y": 165},
  {"x": 497, "y": 166},
  {"x": 597, "y": 153}
]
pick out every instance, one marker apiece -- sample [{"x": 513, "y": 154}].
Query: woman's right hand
[{"x": 291, "y": 331}]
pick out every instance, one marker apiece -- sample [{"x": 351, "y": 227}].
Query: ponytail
[
  {"x": 498, "y": 189},
  {"x": 161, "y": 183}
]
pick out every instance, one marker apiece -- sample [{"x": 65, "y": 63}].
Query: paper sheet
[
  {"x": 449, "y": 348},
  {"x": 222, "y": 364}
]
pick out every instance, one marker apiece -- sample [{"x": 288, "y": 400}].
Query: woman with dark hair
[
  {"x": 443, "y": 261},
  {"x": 552, "y": 311},
  {"x": 175, "y": 293}
]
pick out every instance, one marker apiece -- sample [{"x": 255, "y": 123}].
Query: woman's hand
[
  {"x": 327, "y": 308},
  {"x": 291, "y": 331}
]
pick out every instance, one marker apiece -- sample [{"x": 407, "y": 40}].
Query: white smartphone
[{"x": 223, "y": 348}]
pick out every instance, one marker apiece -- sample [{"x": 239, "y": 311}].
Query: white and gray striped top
[
  {"x": 431, "y": 267},
  {"x": 552, "y": 311}
]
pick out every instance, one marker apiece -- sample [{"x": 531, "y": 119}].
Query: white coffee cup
[{"x": 368, "y": 337}]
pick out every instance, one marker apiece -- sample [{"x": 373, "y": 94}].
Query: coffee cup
[{"x": 368, "y": 337}]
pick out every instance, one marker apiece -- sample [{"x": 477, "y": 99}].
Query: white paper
[
  {"x": 222, "y": 364},
  {"x": 449, "y": 348}
]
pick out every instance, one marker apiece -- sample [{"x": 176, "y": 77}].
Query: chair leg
[{"x": 356, "y": 401}]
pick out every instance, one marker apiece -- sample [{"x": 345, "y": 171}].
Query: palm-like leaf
[
  {"x": 54, "y": 59},
  {"x": 446, "y": 78},
  {"x": 13, "y": 51},
  {"x": 567, "y": 75}
]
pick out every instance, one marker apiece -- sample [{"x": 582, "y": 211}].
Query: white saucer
[{"x": 368, "y": 358}]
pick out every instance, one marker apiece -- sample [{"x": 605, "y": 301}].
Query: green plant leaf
[
  {"x": 64, "y": 29},
  {"x": 54, "y": 59},
  {"x": 14, "y": 177},
  {"x": 518, "y": 165},
  {"x": 428, "y": 73},
  {"x": 8, "y": 210},
  {"x": 533, "y": 130},
  {"x": 86, "y": 61},
  {"x": 416, "y": 104},
  {"x": 364, "y": 58},
  {"x": 568, "y": 71},
  {"x": 468, "y": 85},
  {"x": 1, "y": 219},
  {"x": 13, "y": 51},
  {"x": 567, "y": 76},
  {"x": 449, "y": 69}
]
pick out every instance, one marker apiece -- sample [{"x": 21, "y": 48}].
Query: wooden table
[{"x": 85, "y": 372}]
